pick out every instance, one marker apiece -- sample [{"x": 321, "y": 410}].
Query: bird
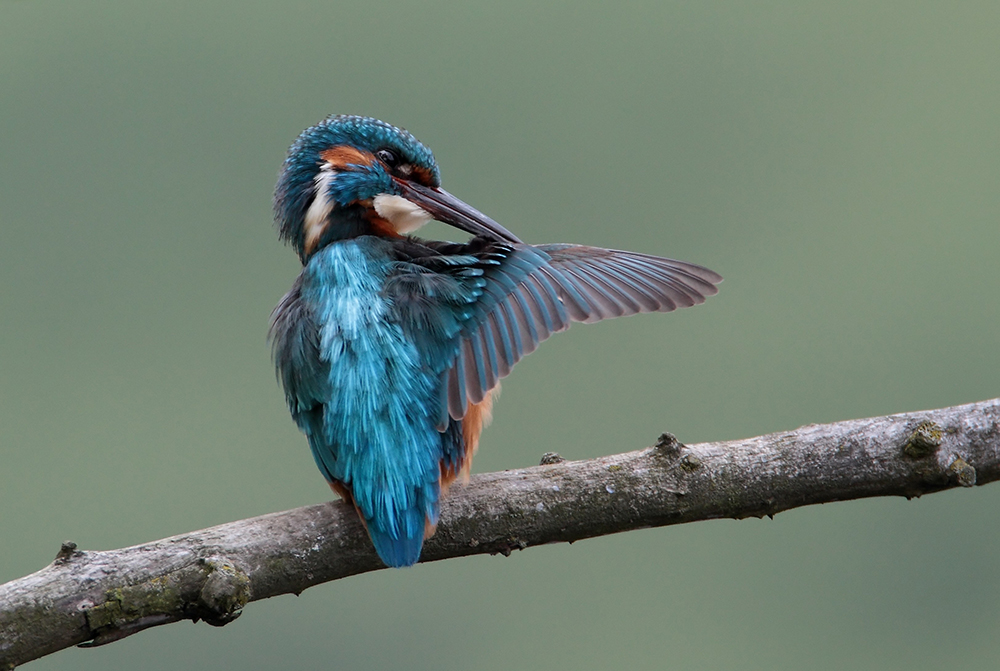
[{"x": 390, "y": 348}]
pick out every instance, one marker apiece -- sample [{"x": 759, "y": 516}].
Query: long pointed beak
[{"x": 448, "y": 209}]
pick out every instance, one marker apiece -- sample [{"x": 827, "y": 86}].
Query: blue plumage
[
  {"x": 377, "y": 388},
  {"x": 377, "y": 427},
  {"x": 389, "y": 347}
]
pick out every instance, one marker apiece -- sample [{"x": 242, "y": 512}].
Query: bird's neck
[{"x": 345, "y": 223}]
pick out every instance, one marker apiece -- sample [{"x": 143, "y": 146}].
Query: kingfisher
[{"x": 390, "y": 348}]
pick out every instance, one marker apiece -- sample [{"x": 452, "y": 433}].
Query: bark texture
[{"x": 96, "y": 597}]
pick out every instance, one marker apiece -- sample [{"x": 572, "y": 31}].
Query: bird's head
[{"x": 349, "y": 176}]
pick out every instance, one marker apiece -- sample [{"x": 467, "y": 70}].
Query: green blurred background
[{"x": 838, "y": 163}]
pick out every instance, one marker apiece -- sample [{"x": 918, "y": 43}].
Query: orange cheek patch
[
  {"x": 342, "y": 156},
  {"x": 379, "y": 225},
  {"x": 383, "y": 228},
  {"x": 423, "y": 175}
]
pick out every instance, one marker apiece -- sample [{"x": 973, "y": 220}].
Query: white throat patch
[
  {"x": 319, "y": 209},
  {"x": 405, "y": 216}
]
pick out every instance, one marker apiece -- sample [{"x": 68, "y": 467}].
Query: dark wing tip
[{"x": 618, "y": 283}]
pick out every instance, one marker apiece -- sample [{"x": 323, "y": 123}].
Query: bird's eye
[{"x": 387, "y": 156}]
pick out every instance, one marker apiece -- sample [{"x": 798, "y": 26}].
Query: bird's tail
[
  {"x": 397, "y": 552},
  {"x": 400, "y": 547}
]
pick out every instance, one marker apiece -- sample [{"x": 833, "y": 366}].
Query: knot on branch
[
  {"x": 668, "y": 444},
  {"x": 66, "y": 552},
  {"x": 690, "y": 462},
  {"x": 963, "y": 472},
  {"x": 212, "y": 589},
  {"x": 924, "y": 441},
  {"x": 226, "y": 591}
]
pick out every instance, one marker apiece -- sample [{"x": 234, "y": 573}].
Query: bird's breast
[
  {"x": 375, "y": 372},
  {"x": 343, "y": 284}
]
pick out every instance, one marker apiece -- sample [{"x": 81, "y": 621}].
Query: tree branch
[{"x": 96, "y": 597}]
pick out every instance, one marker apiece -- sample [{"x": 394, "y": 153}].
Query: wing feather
[
  {"x": 473, "y": 386},
  {"x": 528, "y": 293},
  {"x": 498, "y": 331},
  {"x": 524, "y": 318},
  {"x": 458, "y": 400}
]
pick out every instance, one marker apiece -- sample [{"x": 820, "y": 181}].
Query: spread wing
[{"x": 530, "y": 292}]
